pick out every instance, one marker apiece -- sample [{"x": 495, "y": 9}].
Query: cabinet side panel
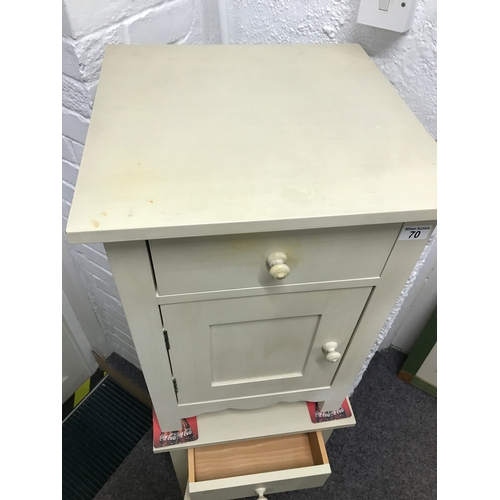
[
  {"x": 399, "y": 266},
  {"x": 131, "y": 268}
]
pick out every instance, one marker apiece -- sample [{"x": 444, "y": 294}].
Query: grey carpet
[
  {"x": 389, "y": 455},
  {"x": 98, "y": 436}
]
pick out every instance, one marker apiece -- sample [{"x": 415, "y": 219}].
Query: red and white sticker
[{"x": 411, "y": 233}]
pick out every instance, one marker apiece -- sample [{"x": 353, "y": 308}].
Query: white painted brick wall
[
  {"x": 74, "y": 125},
  {"x": 408, "y": 60},
  {"x": 77, "y": 149},
  {"x": 76, "y": 97},
  {"x": 67, "y": 31},
  {"x": 70, "y": 63},
  {"x": 69, "y": 172},
  {"x": 68, "y": 153},
  {"x": 168, "y": 23},
  {"x": 90, "y": 49},
  {"x": 93, "y": 15}
]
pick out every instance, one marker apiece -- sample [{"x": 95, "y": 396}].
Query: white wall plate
[{"x": 393, "y": 15}]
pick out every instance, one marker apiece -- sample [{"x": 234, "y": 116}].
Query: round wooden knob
[
  {"x": 277, "y": 265},
  {"x": 332, "y": 356}
]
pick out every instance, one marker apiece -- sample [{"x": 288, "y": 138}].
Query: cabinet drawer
[
  {"x": 236, "y": 470},
  {"x": 192, "y": 265}
]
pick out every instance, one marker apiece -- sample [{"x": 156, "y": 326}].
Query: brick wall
[
  {"x": 408, "y": 61},
  {"x": 87, "y": 27}
]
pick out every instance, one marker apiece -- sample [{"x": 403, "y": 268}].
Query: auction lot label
[{"x": 414, "y": 232}]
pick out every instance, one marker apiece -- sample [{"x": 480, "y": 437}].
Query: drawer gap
[{"x": 256, "y": 456}]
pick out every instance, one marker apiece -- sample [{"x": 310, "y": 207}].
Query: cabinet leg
[
  {"x": 326, "y": 434},
  {"x": 180, "y": 463}
]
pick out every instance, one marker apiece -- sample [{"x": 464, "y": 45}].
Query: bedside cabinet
[{"x": 261, "y": 208}]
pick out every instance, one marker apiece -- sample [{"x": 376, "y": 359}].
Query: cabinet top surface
[{"x": 190, "y": 140}]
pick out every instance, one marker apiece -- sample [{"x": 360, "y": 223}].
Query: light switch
[
  {"x": 383, "y": 5},
  {"x": 393, "y": 15}
]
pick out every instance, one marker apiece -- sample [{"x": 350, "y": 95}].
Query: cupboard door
[{"x": 255, "y": 346}]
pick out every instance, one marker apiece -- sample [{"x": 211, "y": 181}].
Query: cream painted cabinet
[
  {"x": 262, "y": 348},
  {"x": 261, "y": 208}
]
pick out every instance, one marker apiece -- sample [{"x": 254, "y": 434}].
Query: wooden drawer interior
[{"x": 256, "y": 456}]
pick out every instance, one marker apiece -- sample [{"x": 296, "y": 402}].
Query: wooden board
[
  {"x": 192, "y": 140},
  {"x": 238, "y": 425}
]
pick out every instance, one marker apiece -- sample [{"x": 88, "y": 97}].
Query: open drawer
[{"x": 237, "y": 470}]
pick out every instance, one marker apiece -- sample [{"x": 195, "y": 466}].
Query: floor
[
  {"x": 98, "y": 435},
  {"x": 389, "y": 455}
]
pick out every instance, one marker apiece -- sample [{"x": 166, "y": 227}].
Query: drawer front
[
  {"x": 277, "y": 464},
  {"x": 193, "y": 265}
]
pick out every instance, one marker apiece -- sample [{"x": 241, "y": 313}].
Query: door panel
[
  {"x": 287, "y": 342},
  {"x": 233, "y": 348}
]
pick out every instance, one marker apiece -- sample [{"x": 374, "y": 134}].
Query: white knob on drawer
[
  {"x": 277, "y": 265},
  {"x": 332, "y": 356},
  {"x": 260, "y": 492}
]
